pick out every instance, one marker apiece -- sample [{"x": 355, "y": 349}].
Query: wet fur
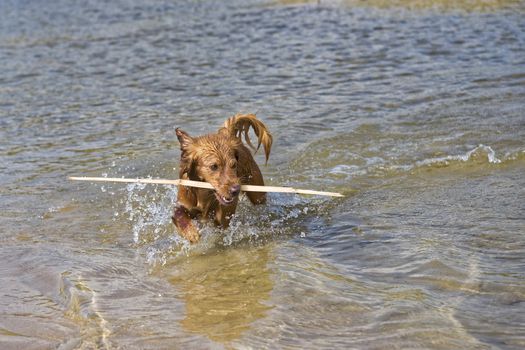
[{"x": 224, "y": 161}]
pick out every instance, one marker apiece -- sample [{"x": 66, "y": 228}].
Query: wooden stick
[{"x": 200, "y": 184}]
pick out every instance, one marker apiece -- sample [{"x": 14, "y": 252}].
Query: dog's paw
[
  {"x": 182, "y": 221},
  {"x": 192, "y": 234}
]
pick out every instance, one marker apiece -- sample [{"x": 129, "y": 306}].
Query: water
[{"x": 413, "y": 109}]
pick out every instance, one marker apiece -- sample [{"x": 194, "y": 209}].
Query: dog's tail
[{"x": 240, "y": 124}]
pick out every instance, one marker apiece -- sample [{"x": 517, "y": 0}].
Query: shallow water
[{"x": 413, "y": 109}]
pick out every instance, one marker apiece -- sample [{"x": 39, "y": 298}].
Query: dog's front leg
[
  {"x": 182, "y": 220},
  {"x": 223, "y": 214}
]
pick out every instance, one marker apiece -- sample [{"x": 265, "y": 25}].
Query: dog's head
[{"x": 212, "y": 158}]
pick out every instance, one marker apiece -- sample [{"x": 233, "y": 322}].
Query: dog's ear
[
  {"x": 188, "y": 166},
  {"x": 184, "y": 139}
]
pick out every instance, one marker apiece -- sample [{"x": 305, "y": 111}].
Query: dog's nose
[{"x": 235, "y": 190}]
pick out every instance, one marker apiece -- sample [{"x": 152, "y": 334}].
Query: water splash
[{"x": 149, "y": 209}]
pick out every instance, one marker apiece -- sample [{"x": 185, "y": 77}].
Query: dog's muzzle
[{"x": 234, "y": 192}]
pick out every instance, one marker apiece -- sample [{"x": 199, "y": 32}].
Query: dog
[{"x": 224, "y": 161}]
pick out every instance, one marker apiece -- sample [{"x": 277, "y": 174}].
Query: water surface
[{"x": 413, "y": 109}]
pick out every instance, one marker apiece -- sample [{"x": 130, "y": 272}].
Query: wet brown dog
[{"x": 222, "y": 160}]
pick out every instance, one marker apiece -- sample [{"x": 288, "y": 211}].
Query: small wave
[
  {"x": 80, "y": 303},
  {"x": 345, "y": 175},
  {"x": 480, "y": 154}
]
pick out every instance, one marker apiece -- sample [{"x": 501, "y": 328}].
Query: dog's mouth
[{"x": 224, "y": 200}]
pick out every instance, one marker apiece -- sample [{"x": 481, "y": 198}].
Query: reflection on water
[
  {"x": 225, "y": 292},
  {"x": 413, "y": 109}
]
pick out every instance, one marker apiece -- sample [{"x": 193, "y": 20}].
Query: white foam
[{"x": 486, "y": 150}]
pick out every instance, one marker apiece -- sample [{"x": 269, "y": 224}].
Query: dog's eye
[
  {"x": 233, "y": 165},
  {"x": 214, "y": 167}
]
